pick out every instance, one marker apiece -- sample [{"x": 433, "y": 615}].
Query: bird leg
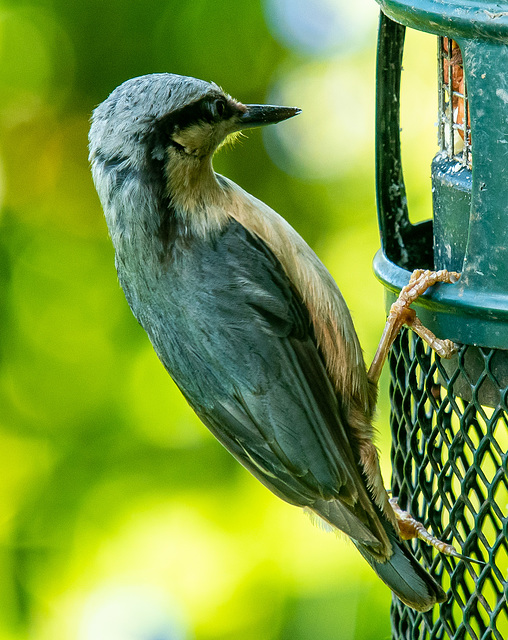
[
  {"x": 401, "y": 314},
  {"x": 409, "y": 528}
]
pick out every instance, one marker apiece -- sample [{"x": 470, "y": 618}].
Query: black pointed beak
[{"x": 257, "y": 115}]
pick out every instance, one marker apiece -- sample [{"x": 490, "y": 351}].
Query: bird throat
[{"x": 195, "y": 192}]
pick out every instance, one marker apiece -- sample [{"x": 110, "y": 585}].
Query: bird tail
[{"x": 403, "y": 574}]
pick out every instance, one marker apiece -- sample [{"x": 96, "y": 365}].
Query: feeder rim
[
  {"x": 470, "y": 19},
  {"x": 476, "y": 317}
]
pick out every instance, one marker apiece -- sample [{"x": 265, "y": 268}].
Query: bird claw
[
  {"x": 401, "y": 314},
  {"x": 410, "y": 528},
  {"x": 418, "y": 284}
]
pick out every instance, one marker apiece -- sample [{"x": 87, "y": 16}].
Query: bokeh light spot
[
  {"x": 322, "y": 27},
  {"x": 334, "y": 134},
  {"x": 130, "y": 612}
]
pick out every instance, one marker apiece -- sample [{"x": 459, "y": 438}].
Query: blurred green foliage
[{"x": 120, "y": 516}]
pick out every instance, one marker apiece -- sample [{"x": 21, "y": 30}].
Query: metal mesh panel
[
  {"x": 454, "y": 121},
  {"x": 450, "y": 442}
]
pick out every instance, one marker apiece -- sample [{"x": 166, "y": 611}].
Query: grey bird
[{"x": 242, "y": 313}]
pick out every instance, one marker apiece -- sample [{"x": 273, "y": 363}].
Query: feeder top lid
[{"x": 453, "y": 18}]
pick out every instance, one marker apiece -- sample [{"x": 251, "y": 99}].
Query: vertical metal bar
[
  {"x": 403, "y": 243},
  {"x": 467, "y": 130},
  {"x": 390, "y": 189},
  {"x": 451, "y": 141},
  {"x": 440, "y": 91}
]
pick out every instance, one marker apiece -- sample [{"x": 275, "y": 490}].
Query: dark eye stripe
[
  {"x": 182, "y": 118},
  {"x": 202, "y": 110}
]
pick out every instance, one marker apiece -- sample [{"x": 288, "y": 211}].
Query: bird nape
[{"x": 243, "y": 314}]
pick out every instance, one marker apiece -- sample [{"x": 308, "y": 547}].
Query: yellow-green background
[{"x": 120, "y": 516}]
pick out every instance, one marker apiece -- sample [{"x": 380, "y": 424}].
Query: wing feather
[{"x": 246, "y": 358}]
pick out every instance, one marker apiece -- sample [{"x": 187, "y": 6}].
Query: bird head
[
  {"x": 159, "y": 115},
  {"x": 151, "y": 145}
]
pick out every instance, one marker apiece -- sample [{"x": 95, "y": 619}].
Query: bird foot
[
  {"x": 401, "y": 314},
  {"x": 418, "y": 284},
  {"x": 410, "y": 528}
]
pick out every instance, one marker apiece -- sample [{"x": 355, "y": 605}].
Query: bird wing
[{"x": 239, "y": 343}]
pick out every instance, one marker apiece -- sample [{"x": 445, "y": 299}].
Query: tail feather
[{"x": 402, "y": 573}]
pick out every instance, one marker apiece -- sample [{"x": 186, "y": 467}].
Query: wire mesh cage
[
  {"x": 449, "y": 461},
  {"x": 453, "y": 117},
  {"x": 449, "y": 418}
]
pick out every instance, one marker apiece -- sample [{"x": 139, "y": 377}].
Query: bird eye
[{"x": 218, "y": 107}]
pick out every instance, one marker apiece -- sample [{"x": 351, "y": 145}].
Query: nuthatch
[{"x": 244, "y": 316}]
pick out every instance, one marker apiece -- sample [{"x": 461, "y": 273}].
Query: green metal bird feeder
[{"x": 449, "y": 418}]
